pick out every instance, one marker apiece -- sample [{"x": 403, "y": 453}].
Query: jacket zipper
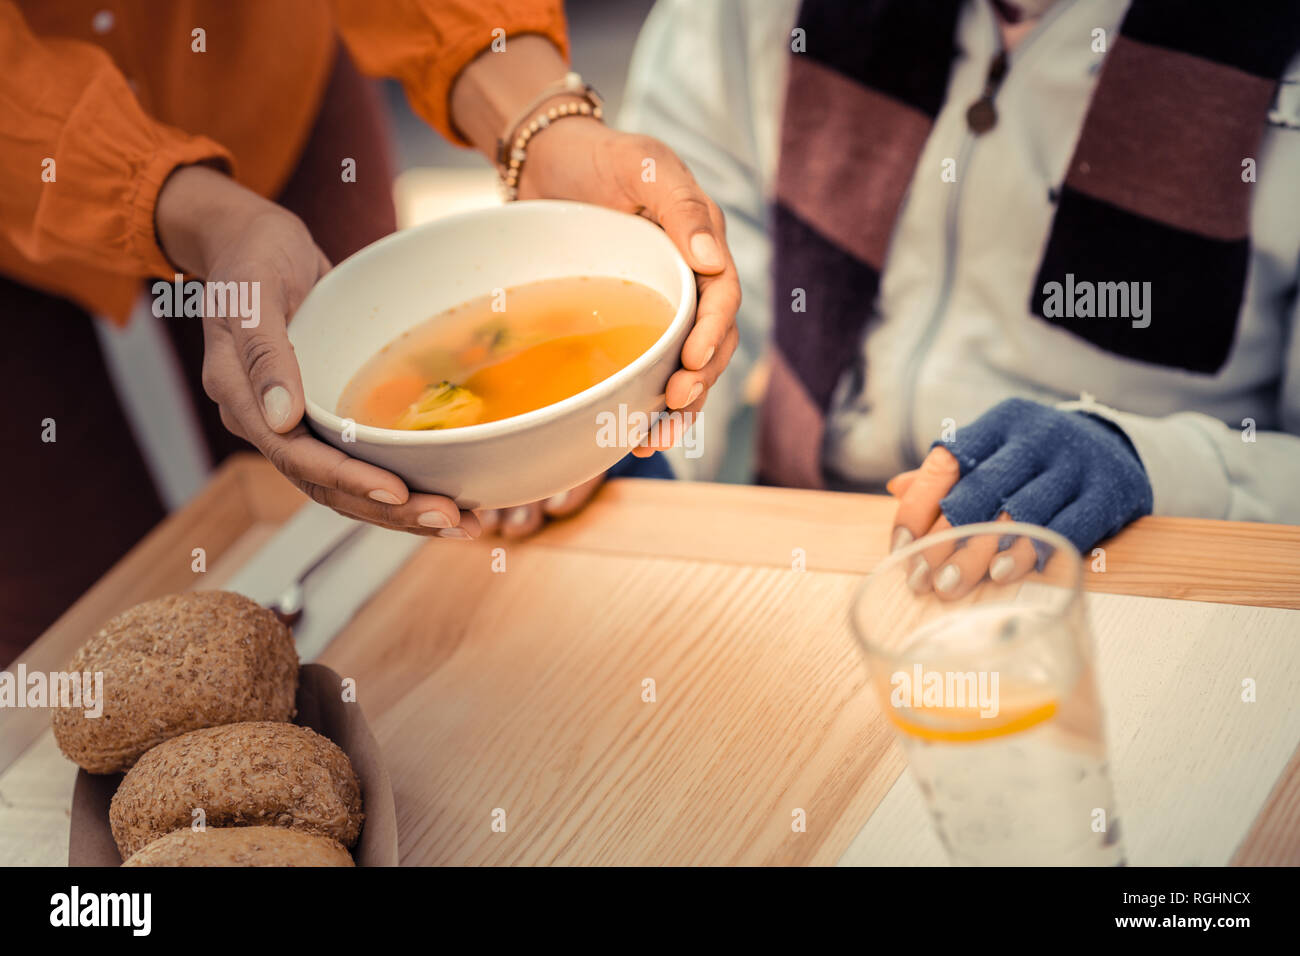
[{"x": 912, "y": 370}]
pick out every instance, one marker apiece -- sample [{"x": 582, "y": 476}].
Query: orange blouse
[{"x": 101, "y": 99}]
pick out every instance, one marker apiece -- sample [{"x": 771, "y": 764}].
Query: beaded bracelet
[{"x": 512, "y": 150}]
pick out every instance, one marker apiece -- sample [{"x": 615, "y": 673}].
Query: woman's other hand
[
  {"x": 584, "y": 160},
  {"x": 581, "y": 159}
]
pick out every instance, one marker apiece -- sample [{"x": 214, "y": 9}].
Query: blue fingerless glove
[{"x": 1068, "y": 471}]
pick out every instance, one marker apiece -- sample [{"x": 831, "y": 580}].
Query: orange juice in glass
[{"x": 990, "y": 686}]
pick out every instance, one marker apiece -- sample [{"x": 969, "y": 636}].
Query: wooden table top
[{"x": 524, "y": 692}]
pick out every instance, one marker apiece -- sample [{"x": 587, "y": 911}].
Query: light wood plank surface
[
  {"x": 522, "y": 691},
  {"x": 1191, "y": 559}
]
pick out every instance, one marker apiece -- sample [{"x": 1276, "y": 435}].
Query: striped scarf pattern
[{"x": 1154, "y": 191}]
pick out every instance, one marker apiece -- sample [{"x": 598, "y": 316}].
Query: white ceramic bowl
[{"x": 374, "y": 296}]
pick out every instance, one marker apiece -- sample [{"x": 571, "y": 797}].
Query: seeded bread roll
[
  {"x": 241, "y": 775},
  {"x": 177, "y": 664},
  {"x": 241, "y": 846}
]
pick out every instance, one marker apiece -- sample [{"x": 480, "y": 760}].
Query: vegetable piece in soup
[{"x": 506, "y": 354}]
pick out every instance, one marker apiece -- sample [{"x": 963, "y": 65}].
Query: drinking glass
[{"x": 986, "y": 673}]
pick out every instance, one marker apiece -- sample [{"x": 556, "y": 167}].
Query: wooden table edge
[{"x": 264, "y": 495}]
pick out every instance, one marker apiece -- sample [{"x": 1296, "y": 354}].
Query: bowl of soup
[{"x": 499, "y": 356}]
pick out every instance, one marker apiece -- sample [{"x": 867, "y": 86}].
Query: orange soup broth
[{"x": 544, "y": 342}]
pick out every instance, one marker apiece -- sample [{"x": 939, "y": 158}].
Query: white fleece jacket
[{"x": 954, "y": 335}]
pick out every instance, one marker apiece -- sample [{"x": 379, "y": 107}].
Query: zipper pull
[{"x": 982, "y": 115}]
